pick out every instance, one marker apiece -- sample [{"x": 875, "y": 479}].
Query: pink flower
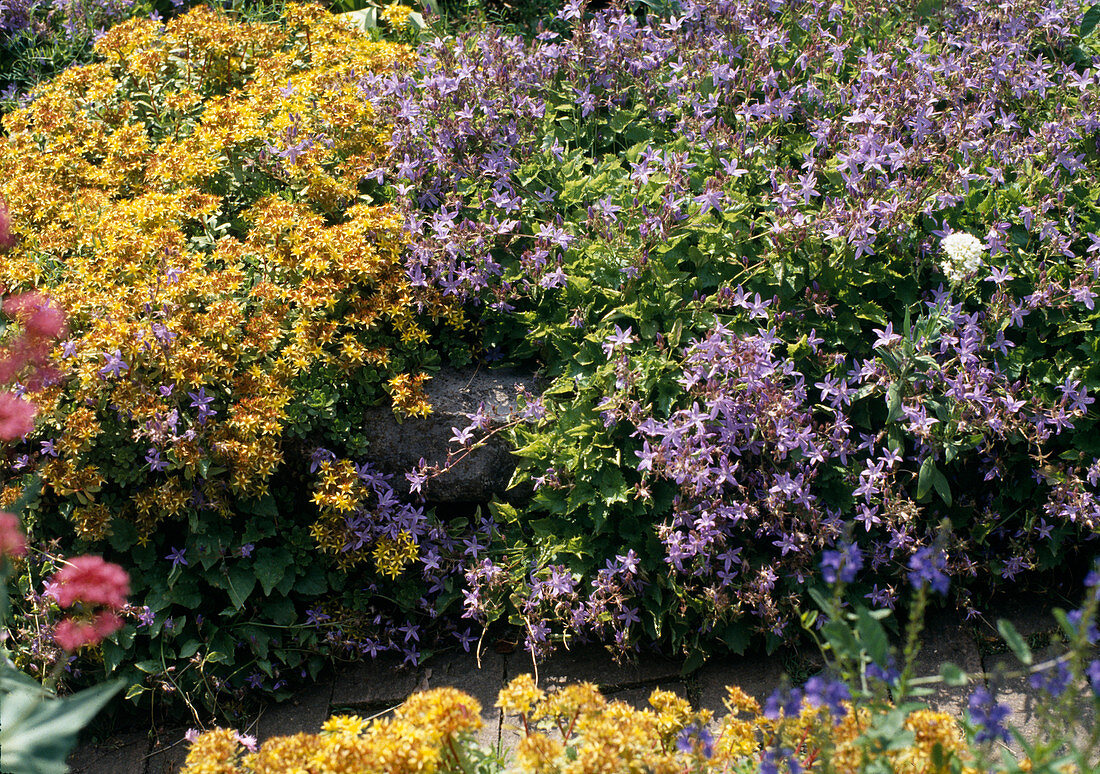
[
  {"x": 92, "y": 581},
  {"x": 16, "y": 416},
  {"x": 72, "y": 635},
  {"x": 33, "y": 310},
  {"x": 7, "y": 239},
  {"x": 12, "y": 541}
]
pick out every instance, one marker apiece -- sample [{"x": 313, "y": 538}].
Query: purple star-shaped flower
[{"x": 114, "y": 366}]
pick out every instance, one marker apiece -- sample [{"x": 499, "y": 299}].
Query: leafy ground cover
[{"x": 812, "y": 287}]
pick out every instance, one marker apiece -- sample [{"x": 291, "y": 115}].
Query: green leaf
[
  {"x": 939, "y": 482},
  {"x": 692, "y": 662},
  {"x": 29, "y": 494},
  {"x": 313, "y": 582},
  {"x": 929, "y": 478},
  {"x": 240, "y": 581},
  {"x": 1013, "y": 639},
  {"x": 39, "y": 732},
  {"x": 819, "y": 597},
  {"x": 924, "y": 477},
  {"x": 842, "y": 640},
  {"x": 270, "y": 566},
  {"x": 953, "y": 676},
  {"x": 365, "y": 18},
  {"x": 873, "y": 637},
  {"x": 736, "y": 637},
  {"x": 280, "y": 611},
  {"x": 135, "y": 690},
  {"x": 1064, "y": 622},
  {"x": 893, "y": 402},
  {"x": 1090, "y": 20}
]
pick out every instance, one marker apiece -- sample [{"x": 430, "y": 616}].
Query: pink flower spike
[
  {"x": 92, "y": 581},
  {"x": 7, "y": 239},
  {"x": 12, "y": 540},
  {"x": 16, "y": 417},
  {"x": 72, "y": 635}
]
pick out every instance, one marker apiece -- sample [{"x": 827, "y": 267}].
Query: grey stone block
[
  {"x": 373, "y": 685},
  {"x": 398, "y": 447},
  {"x": 758, "y": 676},
  {"x": 639, "y": 697},
  {"x": 946, "y": 638},
  {"x": 304, "y": 713},
  {"x": 168, "y": 752},
  {"x": 120, "y": 754},
  {"x": 483, "y": 683},
  {"x": 593, "y": 664}
]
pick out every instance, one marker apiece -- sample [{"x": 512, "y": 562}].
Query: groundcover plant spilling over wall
[
  {"x": 194, "y": 203},
  {"x": 804, "y": 280},
  {"x": 800, "y": 275}
]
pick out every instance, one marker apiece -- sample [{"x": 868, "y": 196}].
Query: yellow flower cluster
[
  {"x": 396, "y": 15},
  {"x": 576, "y": 730},
  {"x": 192, "y": 201},
  {"x": 422, "y": 736},
  {"x": 339, "y": 492},
  {"x": 392, "y": 556},
  {"x": 407, "y": 393}
]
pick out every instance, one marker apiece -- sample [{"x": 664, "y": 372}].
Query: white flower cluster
[{"x": 962, "y": 255}]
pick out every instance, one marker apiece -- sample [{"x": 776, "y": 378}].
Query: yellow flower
[
  {"x": 214, "y": 752},
  {"x": 520, "y": 695},
  {"x": 396, "y": 15}
]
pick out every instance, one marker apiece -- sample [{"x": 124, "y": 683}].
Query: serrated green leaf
[{"x": 270, "y": 566}]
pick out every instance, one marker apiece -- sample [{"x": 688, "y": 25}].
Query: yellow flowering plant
[
  {"x": 197, "y": 202},
  {"x": 576, "y": 730}
]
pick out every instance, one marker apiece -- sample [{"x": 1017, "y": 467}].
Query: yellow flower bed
[
  {"x": 576, "y": 730},
  {"x": 194, "y": 202}
]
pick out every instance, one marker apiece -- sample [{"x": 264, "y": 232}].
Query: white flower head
[{"x": 962, "y": 255}]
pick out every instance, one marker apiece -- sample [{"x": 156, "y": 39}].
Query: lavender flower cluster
[{"x": 795, "y": 183}]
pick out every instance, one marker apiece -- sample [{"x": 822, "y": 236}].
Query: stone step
[
  {"x": 397, "y": 446},
  {"x": 374, "y": 688}
]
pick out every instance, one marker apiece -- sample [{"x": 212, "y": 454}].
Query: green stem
[{"x": 912, "y": 639}]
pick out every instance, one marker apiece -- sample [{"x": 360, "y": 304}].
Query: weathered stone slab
[
  {"x": 946, "y": 638},
  {"x": 758, "y": 676},
  {"x": 1010, "y": 681},
  {"x": 373, "y": 685},
  {"x": 483, "y": 683},
  {"x": 304, "y": 713},
  {"x": 593, "y": 664},
  {"x": 168, "y": 752},
  {"x": 398, "y": 447},
  {"x": 116, "y": 755}
]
